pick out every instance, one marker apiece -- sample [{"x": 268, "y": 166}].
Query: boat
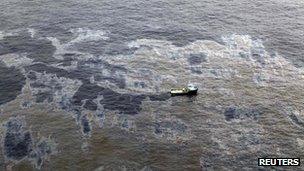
[{"x": 189, "y": 90}]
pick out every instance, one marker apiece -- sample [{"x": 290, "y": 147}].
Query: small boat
[{"x": 189, "y": 90}]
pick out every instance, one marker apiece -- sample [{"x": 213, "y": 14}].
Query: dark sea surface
[{"x": 84, "y": 84}]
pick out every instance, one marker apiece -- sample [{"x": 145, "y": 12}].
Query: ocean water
[{"x": 84, "y": 85}]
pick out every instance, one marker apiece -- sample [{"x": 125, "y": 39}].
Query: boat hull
[{"x": 193, "y": 92}]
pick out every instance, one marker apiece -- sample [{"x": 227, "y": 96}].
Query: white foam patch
[
  {"x": 85, "y": 35},
  {"x": 4, "y": 34},
  {"x": 32, "y": 32},
  {"x": 170, "y": 51},
  {"x": 1, "y": 35},
  {"x": 300, "y": 143},
  {"x": 15, "y": 60},
  {"x": 60, "y": 49},
  {"x": 81, "y": 35},
  {"x": 64, "y": 48},
  {"x": 73, "y": 65},
  {"x": 238, "y": 42},
  {"x": 299, "y": 114}
]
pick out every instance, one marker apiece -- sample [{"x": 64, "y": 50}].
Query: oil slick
[
  {"x": 19, "y": 145},
  {"x": 126, "y": 94}
]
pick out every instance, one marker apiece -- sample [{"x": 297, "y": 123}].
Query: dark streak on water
[
  {"x": 235, "y": 113},
  {"x": 11, "y": 83},
  {"x": 38, "y": 49},
  {"x": 196, "y": 59},
  {"x": 125, "y": 103},
  {"x": 17, "y": 141},
  {"x": 296, "y": 120},
  {"x": 83, "y": 72},
  {"x": 99, "y": 66},
  {"x": 31, "y": 75},
  {"x": 85, "y": 125}
]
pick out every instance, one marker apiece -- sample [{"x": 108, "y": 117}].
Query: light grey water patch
[
  {"x": 16, "y": 60},
  {"x": 295, "y": 115},
  {"x": 32, "y": 32},
  {"x": 43, "y": 149},
  {"x": 85, "y": 35},
  {"x": 80, "y": 35},
  {"x": 100, "y": 112},
  {"x": 52, "y": 88}
]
